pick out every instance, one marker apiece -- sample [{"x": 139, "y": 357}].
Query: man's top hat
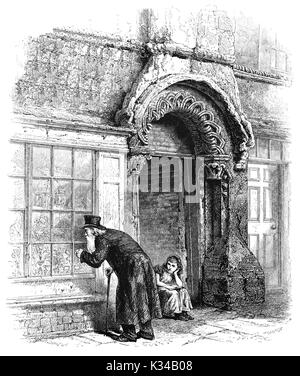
[{"x": 93, "y": 221}]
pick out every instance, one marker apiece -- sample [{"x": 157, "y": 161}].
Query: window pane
[
  {"x": 62, "y": 163},
  {"x": 17, "y": 193},
  {"x": 62, "y": 227},
  {"x": 83, "y": 164},
  {"x": 41, "y": 194},
  {"x": 16, "y": 229},
  {"x": 273, "y": 58},
  {"x": 275, "y": 150},
  {"x": 83, "y": 196},
  {"x": 281, "y": 61},
  {"x": 17, "y": 163},
  {"x": 79, "y": 267},
  {"x": 78, "y": 230},
  {"x": 253, "y": 173},
  {"x": 263, "y": 148},
  {"x": 62, "y": 194},
  {"x": 16, "y": 261},
  {"x": 40, "y": 260},
  {"x": 41, "y": 226},
  {"x": 41, "y": 161},
  {"x": 61, "y": 259}
]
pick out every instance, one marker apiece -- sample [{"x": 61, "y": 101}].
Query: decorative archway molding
[
  {"x": 193, "y": 111},
  {"x": 140, "y": 108}
]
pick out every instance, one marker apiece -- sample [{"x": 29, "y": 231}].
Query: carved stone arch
[
  {"x": 155, "y": 100},
  {"x": 186, "y": 106}
]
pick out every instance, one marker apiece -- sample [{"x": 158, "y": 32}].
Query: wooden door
[{"x": 263, "y": 219}]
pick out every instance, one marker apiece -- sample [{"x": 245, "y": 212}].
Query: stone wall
[
  {"x": 170, "y": 135},
  {"x": 246, "y": 42},
  {"x": 159, "y": 223},
  {"x": 264, "y": 101},
  {"x": 68, "y": 75},
  {"x": 73, "y": 75},
  {"x": 43, "y": 320},
  {"x": 210, "y": 29},
  {"x": 221, "y": 31}
]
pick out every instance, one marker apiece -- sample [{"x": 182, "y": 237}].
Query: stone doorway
[
  {"x": 169, "y": 214},
  {"x": 227, "y": 273}
]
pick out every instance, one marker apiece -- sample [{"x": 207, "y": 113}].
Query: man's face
[
  {"x": 89, "y": 232},
  {"x": 90, "y": 239}
]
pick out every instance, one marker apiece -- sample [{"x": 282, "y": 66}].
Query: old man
[{"x": 137, "y": 300}]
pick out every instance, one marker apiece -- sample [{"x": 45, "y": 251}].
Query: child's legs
[
  {"x": 185, "y": 300},
  {"x": 170, "y": 301}
]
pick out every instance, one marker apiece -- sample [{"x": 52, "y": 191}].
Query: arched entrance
[
  {"x": 170, "y": 206},
  {"x": 220, "y": 269}
]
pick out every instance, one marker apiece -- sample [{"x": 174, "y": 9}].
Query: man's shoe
[
  {"x": 169, "y": 316},
  {"x": 122, "y": 338},
  {"x": 145, "y": 335}
]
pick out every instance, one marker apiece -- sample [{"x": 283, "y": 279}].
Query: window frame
[
  {"x": 284, "y": 148},
  {"x": 276, "y": 50},
  {"x": 28, "y": 209}
]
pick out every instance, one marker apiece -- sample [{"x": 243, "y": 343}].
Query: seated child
[{"x": 174, "y": 298}]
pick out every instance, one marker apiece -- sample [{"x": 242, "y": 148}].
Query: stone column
[
  {"x": 215, "y": 266},
  {"x": 231, "y": 273}
]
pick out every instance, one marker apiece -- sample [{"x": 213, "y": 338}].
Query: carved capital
[
  {"x": 244, "y": 144},
  {"x": 136, "y": 163},
  {"x": 241, "y": 164},
  {"x": 216, "y": 168},
  {"x": 241, "y": 156}
]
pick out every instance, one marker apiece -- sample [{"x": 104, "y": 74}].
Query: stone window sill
[{"x": 53, "y": 300}]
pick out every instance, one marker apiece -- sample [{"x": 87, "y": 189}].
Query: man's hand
[
  {"x": 78, "y": 252},
  {"x": 108, "y": 272}
]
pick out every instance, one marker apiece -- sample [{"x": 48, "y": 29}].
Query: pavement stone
[
  {"x": 248, "y": 327},
  {"x": 229, "y": 336},
  {"x": 205, "y": 330},
  {"x": 210, "y": 325}
]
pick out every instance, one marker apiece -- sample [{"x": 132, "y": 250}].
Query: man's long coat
[{"x": 137, "y": 299}]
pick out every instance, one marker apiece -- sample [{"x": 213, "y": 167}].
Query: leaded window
[
  {"x": 51, "y": 190},
  {"x": 270, "y": 149}
]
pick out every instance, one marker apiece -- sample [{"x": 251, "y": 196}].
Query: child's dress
[{"x": 172, "y": 301}]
